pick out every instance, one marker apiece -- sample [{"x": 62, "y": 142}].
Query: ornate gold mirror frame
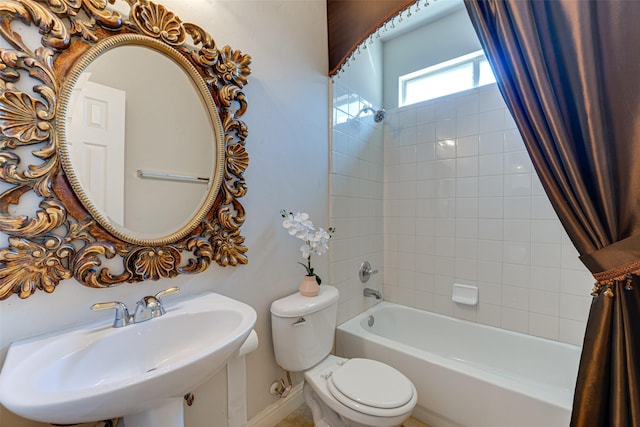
[{"x": 61, "y": 238}]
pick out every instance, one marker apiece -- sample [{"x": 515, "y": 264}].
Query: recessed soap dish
[{"x": 465, "y": 294}]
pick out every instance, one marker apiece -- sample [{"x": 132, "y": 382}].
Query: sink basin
[{"x": 98, "y": 372}]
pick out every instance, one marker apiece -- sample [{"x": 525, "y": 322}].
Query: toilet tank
[{"x": 303, "y": 328}]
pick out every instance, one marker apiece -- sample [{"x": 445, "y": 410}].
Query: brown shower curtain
[{"x": 569, "y": 71}]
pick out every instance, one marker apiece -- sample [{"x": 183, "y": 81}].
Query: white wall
[{"x": 288, "y": 146}]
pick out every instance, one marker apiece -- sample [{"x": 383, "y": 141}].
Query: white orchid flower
[{"x": 316, "y": 241}]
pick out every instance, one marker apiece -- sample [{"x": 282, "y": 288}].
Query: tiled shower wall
[
  {"x": 462, "y": 204},
  {"x": 356, "y": 198}
]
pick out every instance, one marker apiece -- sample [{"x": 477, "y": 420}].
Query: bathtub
[{"x": 467, "y": 374}]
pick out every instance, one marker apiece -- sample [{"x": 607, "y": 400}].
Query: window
[{"x": 455, "y": 75}]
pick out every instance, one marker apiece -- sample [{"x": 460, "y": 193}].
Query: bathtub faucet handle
[{"x": 366, "y": 271}]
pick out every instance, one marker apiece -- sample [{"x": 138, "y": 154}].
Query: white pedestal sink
[{"x": 140, "y": 371}]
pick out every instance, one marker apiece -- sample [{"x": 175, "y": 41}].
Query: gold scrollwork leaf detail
[
  {"x": 51, "y": 216},
  {"x": 228, "y": 249},
  {"x": 156, "y": 21},
  {"x": 236, "y": 188},
  {"x": 106, "y": 18},
  {"x": 203, "y": 252},
  {"x": 54, "y": 33},
  {"x": 9, "y": 168},
  {"x": 26, "y": 266},
  {"x": 208, "y": 54},
  {"x": 153, "y": 263},
  {"x": 86, "y": 265},
  {"x": 21, "y": 117},
  {"x": 235, "y": 128},
  {"x": 8, "y": 62},
  {"x": 231, "y": 218},
  {"x": 233, "y": 67},
  {"x": 230, "y": 93}
]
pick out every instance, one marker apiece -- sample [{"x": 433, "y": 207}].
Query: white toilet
[{"x": 340, "y": 392}]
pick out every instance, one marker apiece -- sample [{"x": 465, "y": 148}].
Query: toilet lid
[{"x": 371, "y": 383}]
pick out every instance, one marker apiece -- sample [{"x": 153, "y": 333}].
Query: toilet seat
[{"x": 371, "y": 387}]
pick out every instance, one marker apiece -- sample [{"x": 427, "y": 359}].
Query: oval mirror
[{"x": 142, "y": 143}]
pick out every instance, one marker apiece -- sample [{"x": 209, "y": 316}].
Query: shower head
[{"x": 378, "y": 115}]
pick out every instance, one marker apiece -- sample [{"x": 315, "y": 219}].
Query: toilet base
[{"x": 328, "y": 412}]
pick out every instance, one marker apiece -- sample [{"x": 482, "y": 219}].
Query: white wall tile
[
  {"x": 544, "y": 326},
  {"x": 489, "y": 271},
  {"x": 426, "y": 113},
  {"x": 575, "y": 307},
  {"x": 572, "y": 331},
  {"x": 490, "y": 229},
  {"x": 466, "y": 166},
  {"x": 467, "y": 208},
  {"x": 518, "y": 230},
  {"x": 544, "y": 302},
  {"x": 490, "y": 164},
  {"x": 490, "y": 121},
  {"x": 489, "y": 98},
  {"x": 491, "y": 143},
  {"x": 445, "y": 149},
  {"x": 491, "y": 207},
  {"x": 517, "y": 207},
  {"x": 517, "y": 185},
  {"x": 516, "y": 275},
  {"x": 545, "y": 255},
  {"x": 460, "y": 191},
  {"x": 490, "y": 250},
  {"x": 491, "y": 186},
  {"x": 467, "y": 145},
  {"x": 546, "y": 231},
  {"x": 489, "y": 314},
  {"x": 467, "y": 125},
  {"x": 546, "y": 279},
  {"x": 514, "y": 319},
  {"x": 517, "y": 162},
  {"x": 515, "y": 297},
  {"x": 513, "y": 140},
  {"x": 467, "y": 104},
  {"x": 516, "y": 252},
  {"x": 467, "y": 187},
  {"x": 425, "y": 152}
]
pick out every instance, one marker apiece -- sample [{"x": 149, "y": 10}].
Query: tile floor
[{"x": 301, "y": 417}]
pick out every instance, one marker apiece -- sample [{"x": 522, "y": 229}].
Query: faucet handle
[
  {"x": 122, "y": 312},
  {"x": 366, "y": 271},
  {"x": 161, "y": 294}
]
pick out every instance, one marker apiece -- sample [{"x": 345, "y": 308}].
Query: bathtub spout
[{"x": 368, "y": 292}]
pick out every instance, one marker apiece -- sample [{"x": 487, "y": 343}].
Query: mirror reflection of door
[{"x": 96, "y": 144}]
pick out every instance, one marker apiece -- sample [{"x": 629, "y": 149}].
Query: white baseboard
[{"x": 277, "y": 411}]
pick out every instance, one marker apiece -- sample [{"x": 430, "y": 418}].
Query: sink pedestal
[{"x": 171, "y": 414}]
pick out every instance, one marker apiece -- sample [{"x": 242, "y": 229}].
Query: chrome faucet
[
  {"x": 368, "y": 292},
  {"x": 147, "y": 308},
  {"x": 122, "y": 313},
  {"x": 151, "y": 306}
]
